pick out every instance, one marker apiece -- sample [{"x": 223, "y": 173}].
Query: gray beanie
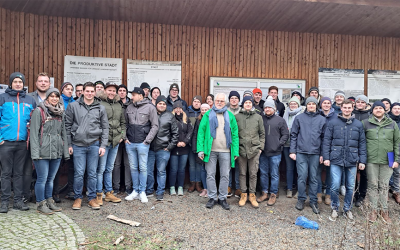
[
  {"x": 312, "y": 99},
  {"x": 340, "y": 93},
  {"x": 362, "y": 98},
  {"x": 270, "y": 103},
  {"x": 248, "y": 92},
  {"x": 52, "y": 90}
]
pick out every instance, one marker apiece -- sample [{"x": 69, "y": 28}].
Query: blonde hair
[{"x": 184, "y": 119}]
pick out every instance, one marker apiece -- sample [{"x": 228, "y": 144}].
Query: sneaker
[
  {"x": 343, "y": 190},
  {"x": 211, "y": 202},
  {"x": 4, "y": 207},
  {"x": 229, "y": 192},
  {"x": 133, "y": 196},
  {"x": 20, "y": 205},
  {"x": 300, "y": 205},
  {"x": 52, "y": 205},
  {"x": 224, "y": 204},
  {"x": 289, "y": 194},
  {"x": 143, "y": 197},
  {"x": 359, "y": 202},
  {"x": 263, "y": 197},
  {"x": 93, "y": 204},
  {"x": 314, "y": 207},
  {"x": 56, "y": 198},
  {"x": 333, "y": 215},
  {"x": 180, "y": 191},
  {"x": 160, "y": 197},
  {"x": 349, "y": 216},
  {"x": 238, "y": 193},
  {"x": 149, "y": 194},
  {"x": 77, "y": 204},
  {"x": 43, "y": 208},
  {"x": 172, "y": 191}
]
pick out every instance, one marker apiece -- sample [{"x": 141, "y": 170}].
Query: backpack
[{"x": 28, "y": 126}]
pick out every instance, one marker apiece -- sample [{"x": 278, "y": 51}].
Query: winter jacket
[
  {"x": 280, "y": 107},
  {"x": 382, "y": 137},
  {"x": 185, "y": 130},
  {"x": 192, "y": 114},
  {"x": 234, "y": 111},
  {"x": 49, "y": 142},
  {"x": 362, "y": 114},
  {"x": 204, "y": 139},
  {"x": 289, "y": 117},
  {"x": 276, "y": 134},
  {"x": 36, "y": 97},
  {"x": 396, "y": 119},
  {"x": 260, "y": 105},
  {"x": 344, "y": 142},
  {"x": 86, "y": 124},
  {"x": 116, "y": 119},
  {"x": 336, "y": 108},
  {"x": 168, "y": 133},
  {"x": 141, "y": 122},
  {"x": 331, "y": 115},
  {"x": 251, "y": 133},
  {"x": 307, "y": 133},
  {"x": 124, "y": 105},
  {"x": 170, "y": 103},
  {"x": 15, "y": 110},
  {"x": 67, "y": 100}
]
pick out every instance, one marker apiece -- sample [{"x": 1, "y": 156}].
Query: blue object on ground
[{"x": 306, "y": 223}]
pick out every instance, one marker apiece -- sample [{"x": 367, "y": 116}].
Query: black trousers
[
  {"x": 363, "y": 185},
  {"x": 27, "y": 175}
]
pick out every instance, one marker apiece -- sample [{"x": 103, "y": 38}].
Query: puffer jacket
[
  {"x": 116, "y": 119},
  {"x": 331, "y": 115},
  {"x": 382, "y": 137},
  {"x": 251, "y": 133},
  {"x": 168, "y": 133},
  {"x": 185, "y": 134},
  {"x": 336, "y": 108},
  {"x": 141, "y": 122},
  {"x": 192, "y": 114},
  {"x": 307, "y": 133},
  {"x": 86, "y": 124},
  {"x": 170, "y": 103},
  {"x": 344, "y": 142},
  {"x": 51, "y": 142},
  {"x": 362, "y": 114},
  {"x": 276, "y": 134}
]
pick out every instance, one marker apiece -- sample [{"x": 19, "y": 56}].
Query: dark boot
[
  {"x": 52, "y": 205},
  {"x": 198, "y": 187},
  {"x": 43, "y": 208},
  {"x": 300, "y": 205},
  {"x": 4, "y": 207},
  {"x": 20, "y": 205},
  {"x": 211, "y": 202},
  {"x": 192, "y": 186},
  {"x": 315, "y": 208},
  {"x": 224, "y": 204}
]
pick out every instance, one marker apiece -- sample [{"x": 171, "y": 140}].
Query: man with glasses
[
  {"x": 78, "y": 91},
  {"x": 173, "y": 97}
]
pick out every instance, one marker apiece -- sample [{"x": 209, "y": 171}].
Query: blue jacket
[
  {"x": 170, "y": 104},
  {"x": 332, "y": 114},
  {"x": 67, "y": 100},
  {"x": 15, "y": 113},
  {"x": 344, "y": 142},
  {"x": 192, "y": 114},
  {"x": 307, "y": 133}
]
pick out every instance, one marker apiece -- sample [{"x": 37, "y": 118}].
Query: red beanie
[{"x": 257, "y": 90}]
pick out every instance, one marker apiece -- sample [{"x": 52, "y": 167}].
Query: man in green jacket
[
  {"x": 218, "y": 140},
  {"x": 383, "y": 139}
]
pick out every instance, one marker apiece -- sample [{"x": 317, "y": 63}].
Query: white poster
[
  {"x": 81, "y": 69},
  {"x": 383, "y": 84},
  {"x": 155, "y": 73},
  {"x": 350, "y": 81}
]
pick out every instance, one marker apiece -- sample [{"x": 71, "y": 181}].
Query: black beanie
[
  {"x": 124, "y": 87},
  {"x": 234, "y": 93},
  {"x": 16, "y": 75},
  {"x": 161, "y": 98},
  {"x": 144, "y": 85},
  {"x": 386, "y": 99}
]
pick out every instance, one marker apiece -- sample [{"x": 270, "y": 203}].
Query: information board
[
  {"x": 383, "y": 84},
  {"x": 350, "y": 81}
]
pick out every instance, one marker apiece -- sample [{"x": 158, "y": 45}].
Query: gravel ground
[{"x": 184, "y": 222}]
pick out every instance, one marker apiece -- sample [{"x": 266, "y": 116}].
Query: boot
[
  {"x": 328, "y": 200},
  {"x": 77, "y": 204},
  {"x": 373, "y": 216},
  {"x": 319, "y": 196},
  {"x": 263, "y": 197},
  {"x": 271, "y": 200},
  {"x": 111, "y": 197},
  {"x": 198, "y": 187},
  {"x": 238, "y": 193},
  {"x": 43, "y": 208},
  {"x": 52, "y": 205},
  {"x": 385, "y": 217},
  {"x": 93, "y": 204},
  {"x": 99, "y": 199},
  {"x": 243, "y": 199},
  {"x": 192, "y": 186},
  {"x": 396, "y": 197},
  {"x": 253, "y": 200}
]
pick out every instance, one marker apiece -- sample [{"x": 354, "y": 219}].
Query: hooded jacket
[
  {"x": 192, "y": 114},
  {"x": 251, "y": 133},
  {"x": 116, "y": 119},
  {"x": 168, "y": 133},
  {"x": 170, "y": 103},
  {"x": 307, "y": 133},
  {"x": 362, "y": 114},
  {"x": 336, "y": 108},
  {"x": 331, "y": 115},
  {"x": 15, "y": 110},
  {"x": 276, "y": 134},
  {"x": 141, "y": 122},
  {"x": 67, "y": 100},
  {"x": 86, "y": 124},
  {"x": 344, "y": 142}
]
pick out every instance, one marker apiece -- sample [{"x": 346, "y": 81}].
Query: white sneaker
[
  {"x": 143, "y": 197},
  {"x": 333, "y": 215},
  {"x": 343, "y": 190},
  {"x": 133, "y": 196}
]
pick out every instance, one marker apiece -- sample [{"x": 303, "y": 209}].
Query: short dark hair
[
  {"x": 78, "y": 85},
  {"x": 88, "y": 84},
  {"x": 212, "y": 96},
  {"x": 273, "y": 87},
  {"x": 347, "y": 101}
]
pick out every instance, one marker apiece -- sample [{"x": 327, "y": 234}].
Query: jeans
[
  {"x": 194, "y": 168},
  {"x": 122, "y": 156},
  {"x": 350, "y": 179},
  {"x": 46, "y": 171},
  {"x": 290, "y": 168},
  {"x": 105, "y": 169},
  {"x": 269, "y": 166},
  {"x": 378, "y": 185},
  {"x": 235, "y": 172},
  {"x": 395, "y": 180},
  {"x": 137, "y": 153},
  {"x": 252, "y": 166},
  {"x": 307, "y": 167},
  {"x": 328, "y": 180},
  {"x": 160, "y": 158},
  {"x": 12, "y": 159},
  {"x": 177, "y": 170},
  {"x": 86, "y": 159},
  {"x": 203, "y": 175},
  {"x": 224, "y": 159}
]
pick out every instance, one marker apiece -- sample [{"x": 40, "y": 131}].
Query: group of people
[{"x": 102, "y": 132}]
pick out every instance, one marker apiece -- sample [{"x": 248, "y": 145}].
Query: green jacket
[
  {"x": 204, "y": 139},
  {"x": 382, "y": 137},
  {"x": 251, "y": 133},
  {"x": 116, "y": 119},
  {"x": 52, "y": 143}
]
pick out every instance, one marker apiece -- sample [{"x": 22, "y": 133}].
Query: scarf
[
  {"x": 214, "y": 124},
  {"x": 179, "y": 117},
  {"x": 290, "y": 113},
  {"x": 67, "y": 100},
  {"x": 57, "y": 110}
]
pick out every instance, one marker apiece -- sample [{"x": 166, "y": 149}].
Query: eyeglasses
[{"x": 219, "y": 101}]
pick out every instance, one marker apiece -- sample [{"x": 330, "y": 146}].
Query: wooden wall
[{"x": 32, "y": 44}]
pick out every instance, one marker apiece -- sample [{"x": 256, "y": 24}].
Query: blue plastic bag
[{"x": 306, "y": 223}]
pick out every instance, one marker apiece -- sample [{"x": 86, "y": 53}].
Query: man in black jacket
[
  {"x": 280, "y": 107},
  {"x": 160, "y": 148},
  {"x": 394, "y": 114}
]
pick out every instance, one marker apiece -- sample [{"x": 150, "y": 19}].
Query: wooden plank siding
[{"x": 33, "y": 43}]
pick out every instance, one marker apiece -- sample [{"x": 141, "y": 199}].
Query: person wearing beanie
[
  {"x": 15, "y": 106},
  {"x": 258, "y": 98},
  {"x": 276, "y": 135},
  {"x": 233, "y": 106},
  {"x": 66, "y": 93},
  {"x": 298, "y": 95},
  {"x": 42, "y": 85},
  {"x": 173, "y": 97},
  {"x": 251, "y": 129},
  {"x": 193, "y": 112},
  {"x": 340, "y": 96},
  {"x": 142, "y": 126},
  {"x": 250, "y": 94},
  {"x": 294, "y": 109},
  {"x": 78, "y": 91},
  {"x": 154, "y": 94},
  {"x": 280, "y": 107},
  {"x": 210, "y": 100},
  {"x": 314, "y": 91},
  {"x": 160, "y": 148},
  {"x": 305, "y": 149},
  {"x": 387, "y": 103},
  {"x": 146, "y": 87},
  {"x": 352, "y": 99},
  {"x": 394, "y": 114},
  {"x": 383, "y": 136},
  {"x": 43, "y": 138},
  {"x": 123, "y": 95},
  {"x": 99, "y": 86}
]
